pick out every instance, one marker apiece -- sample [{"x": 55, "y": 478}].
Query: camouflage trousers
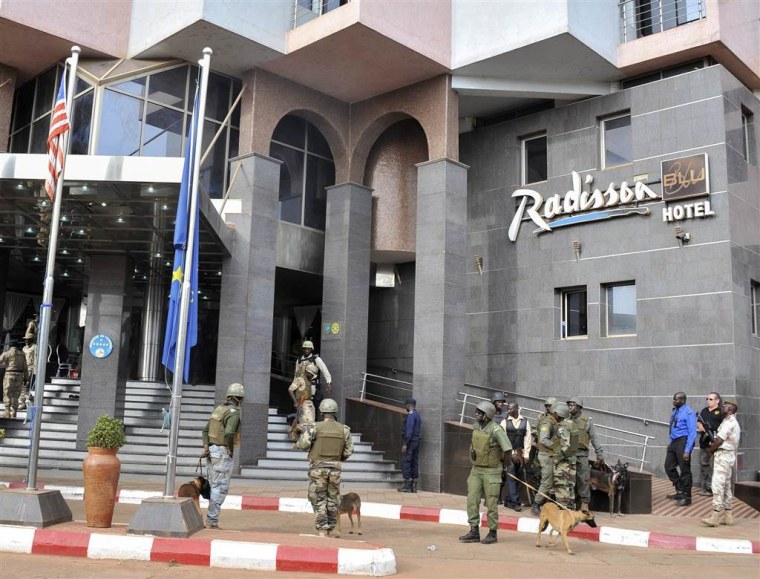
[
  {"x": 220, "y": 472},
  {"x": 12, "y": 385},
  {"x": 324, "y": 496},
  {"x": 305, "y": 412},
  {"x": 723, "y": 465},
  {"x": 564, "y": 480},
  {"x": 582, "y": 476},
  {"x": 547, "y": 478}
]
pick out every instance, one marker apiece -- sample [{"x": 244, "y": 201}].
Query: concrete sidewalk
[{"x": 294, "y": 552}]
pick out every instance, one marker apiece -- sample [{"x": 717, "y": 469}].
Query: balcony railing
[
  {"x": 306, "y": 10},
  {"x": 644, "y": 17}
]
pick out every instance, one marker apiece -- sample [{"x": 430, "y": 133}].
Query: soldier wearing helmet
[
  {"x": 220, "y": 436},
  {"x": 311, "y": 357},
  {"x": 490, "y": 454},
  {"x": 546, "y": 425},
  {"x": 13, "y": 380},
  {"x": 300, "y": 393},
  {"x": 499, "y": 400},
  {"x": 329, "y": 443},
  {"x": 566, "y": 445},
  {"x": 586, "y": 435}
]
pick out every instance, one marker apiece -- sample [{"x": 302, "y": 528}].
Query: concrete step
[
  {"x": 350, "y": 464},
  {"x": 372, "y": 455},
  {"x": 287, "y": 445},
  {"x": 283, "y": 436},
  {"x": 296, "y": 474}
]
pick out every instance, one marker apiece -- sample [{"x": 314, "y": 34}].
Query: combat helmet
[
  {"x": 550, "y": 402},
  {"x": 312, "y": 369},
  {"x": 498, "y": 396},
  {"x": 236, "y": 390},
  {"x": 562, "y": 410},
  {"x": 577, "y": 399},
  {"x": 308, "y": 344},
  {"x": 487, "y": 408},
  {"x": 329, "y": 406}
]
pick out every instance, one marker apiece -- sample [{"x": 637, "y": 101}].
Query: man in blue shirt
[
  {"x": 683, "y": 433},
  {"x": 410, "y": 450}
]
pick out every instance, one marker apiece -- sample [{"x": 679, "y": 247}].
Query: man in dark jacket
[
  {"x": 410, "y": 450},
  {"x": 708, "y": 421}
]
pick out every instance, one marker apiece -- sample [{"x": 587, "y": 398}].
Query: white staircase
[
  {"x": 366, "y": 468},
  {"x": 145, "y": 451}
]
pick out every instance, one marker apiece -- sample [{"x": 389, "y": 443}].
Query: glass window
[
  {"x": 291, "y": 130},
  {"x": 317, "y": 143},
  {"x": 213, "y": 168},
  {"x": 574, "y": 319},
  {"x": 217, "y": 97},
  {"x": 755, "y": 304},
  {"x": 747, "y": 134},
  {"x": 534, "y": 160},
  {"x": 40, "y": 132},
  {"x": 320, "y": 174},
  {"x": 24, "y": 104},
  {"x": 169, "y": 87},
  {"x": 46, "y": 89},
  {"x": 291, "y": 181},
  {"x": 617, "y": 145},
  {"x": 162, "y": 135},
  {"x": 120, "y": 124},
  {"x": 82, "y": 119},
  {"x": 136, "y": 86},
  {"x": 619, "y": 309},
  {"x": 20, "y": 143}
]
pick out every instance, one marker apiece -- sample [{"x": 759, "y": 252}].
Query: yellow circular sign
[{"x": 335, "y": 328}]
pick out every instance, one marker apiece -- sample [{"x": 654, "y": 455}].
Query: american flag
[{"x": 59, "y": 124}]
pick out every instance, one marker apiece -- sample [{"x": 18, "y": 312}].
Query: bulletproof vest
[
  {"x": 486, "y": 450},
  {"x": 329, "y": 441},
  {"x": 216, "y": 425},
  {"x": 517, "y": 435},
  {"x": 581, "y": 424},
  {"x": 548, "y": 420},
  {"x": 15, "y": 361},
  {"x": 573, "y": 429}
]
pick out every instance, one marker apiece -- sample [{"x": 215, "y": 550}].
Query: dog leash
[{"x": 535, "y": 490}]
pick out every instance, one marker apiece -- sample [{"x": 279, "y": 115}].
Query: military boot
[
  {"x": 407, "y": 488},
  {"x": 472, "y": 537},
  {"x": 713, "y": 520},
  {"x": 727, "y": 518},
  {"x": 584, "y": 507},
  {"x": 677, "y": 496},
  {"x": 490, "y": 538},
  {"x": 13, "y": 413},
  {"x": 536, "y": 509},
  {"x": 414, "y": 485}
]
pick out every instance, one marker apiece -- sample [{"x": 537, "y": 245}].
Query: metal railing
[
  {"x": 306, "y": 10},
  {"x": 623, "y": 441},
  {"x": 385, "y": 389},
  {"x": 640, "y": 18}
]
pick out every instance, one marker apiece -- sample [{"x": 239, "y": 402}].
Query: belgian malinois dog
[{"x": 562, "y": 521}]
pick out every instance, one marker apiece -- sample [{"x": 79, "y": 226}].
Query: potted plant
[{"x": 101, "y": 469}]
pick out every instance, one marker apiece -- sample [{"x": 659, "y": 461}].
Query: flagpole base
[
  {"x": 33, "y": 508},
  {"x": 166, "y": 517}
]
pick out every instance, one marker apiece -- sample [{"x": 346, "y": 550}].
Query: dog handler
[
  {"x": 329, "y": 443},
  {"x": 490, "y": 454},
  {"x": 220, "y": 436},
  {"x": 546, "y": 424},
  {"x": 586, "y": 435}
]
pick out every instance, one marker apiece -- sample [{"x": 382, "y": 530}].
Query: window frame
[
  {"x": 747, "y": 121},
  {"x": 754, "y": 303},
  {"x": 603, "y": 140},
  {"x": 605, "y": 309},
  {"x": 564, "y": 293},
  {"x": 524, "y": 157}
]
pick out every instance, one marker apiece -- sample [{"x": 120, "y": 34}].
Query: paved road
[{"x": 515, "y": 554}]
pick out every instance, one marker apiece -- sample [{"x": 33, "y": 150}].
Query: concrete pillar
[
  {"x": 7, "y": 88},
  {"x": 345, "y": 300},
  {"x": 247, "y": 300},
  {"x": 439, "y": 306},
  {"x": 152, "y": 333},
  {"x": 109, "y": 305}
]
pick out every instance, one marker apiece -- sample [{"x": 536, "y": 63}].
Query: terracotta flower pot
[{"x": 101, "y": 469}]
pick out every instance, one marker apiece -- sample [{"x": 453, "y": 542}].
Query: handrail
[
  {"x": 466, "y": 399},
  {"x": 646, "y": 421},
  {"x": 642, "y": 19},
  {"x": 368, "y": 378}
]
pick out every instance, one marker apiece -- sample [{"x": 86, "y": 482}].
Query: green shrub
[{"x": 107, "y": 432}]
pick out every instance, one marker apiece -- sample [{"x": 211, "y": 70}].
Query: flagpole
[
  {"x": 47, "y": 294},
  {"x": 184, "y": 306}
]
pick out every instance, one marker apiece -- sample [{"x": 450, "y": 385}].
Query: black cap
[{"x": 411, "y": 401}]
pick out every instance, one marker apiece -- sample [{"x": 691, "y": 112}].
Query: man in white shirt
[
  {"x": 723, "y": 450},
  {"x": 518, "y": 432}
]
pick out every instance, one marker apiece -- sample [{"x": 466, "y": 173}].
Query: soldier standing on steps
[
  {"x": 311, "y": 357},
  {"x": 13, "y": 381},
  {"x": 220, "y": 436},
  {"x": 410, "y": 450},
  {"x": 30, "y": 353},
  {"x": 329, "y": 443}
]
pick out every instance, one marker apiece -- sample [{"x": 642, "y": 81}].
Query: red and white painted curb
[
  {"x": 603, "y": 534},
  {"x": 210, "y": 553}
]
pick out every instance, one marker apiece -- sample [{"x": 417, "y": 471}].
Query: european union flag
[{"x": 180, "y": 250}]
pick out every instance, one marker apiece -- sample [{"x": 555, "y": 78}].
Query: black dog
[{"x": 613, "y": 483}]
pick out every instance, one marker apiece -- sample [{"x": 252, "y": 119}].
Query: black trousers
[{"x": 678, "y": 469}]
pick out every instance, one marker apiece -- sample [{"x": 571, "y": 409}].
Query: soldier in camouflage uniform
[
  {"x": 30, "y": 353},
  {"x": 490, "y": 455},
  {"x": 13, "y": 381},
  {"x": 329, "y": 443},
  {"x": 586, "y": 436},
  {"x": 546, "y": 425},
  {"x": 300, "y": 393},
  {"x": 564, "y": 457},
  {"x": 220, "y": 436}
]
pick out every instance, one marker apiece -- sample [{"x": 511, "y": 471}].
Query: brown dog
[
  {"x": 192, "y": 490},
  {"x": 613, "y": 483},
  {"x": 562, "y": 521},
  {"x": 350, "y": 503}
]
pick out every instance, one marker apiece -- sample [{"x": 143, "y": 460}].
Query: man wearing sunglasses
[{"x": 708, "y": 421}]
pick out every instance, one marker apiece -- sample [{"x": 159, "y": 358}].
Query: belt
[{"x": 14, "y": 371}]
